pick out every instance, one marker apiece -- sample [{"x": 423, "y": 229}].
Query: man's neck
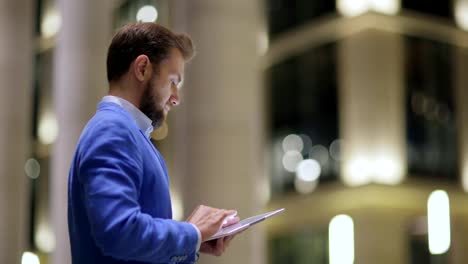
[{"x": 126, "y": 91}]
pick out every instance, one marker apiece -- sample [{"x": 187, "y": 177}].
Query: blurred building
[
  {"x": 367, "y": 107},
  {"x": 348, "y": 113}
]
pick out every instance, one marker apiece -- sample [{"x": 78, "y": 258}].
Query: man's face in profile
[{"x": 162, "y": 91}]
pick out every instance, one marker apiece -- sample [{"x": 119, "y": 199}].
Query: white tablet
[{"x": 244, "y": 224}]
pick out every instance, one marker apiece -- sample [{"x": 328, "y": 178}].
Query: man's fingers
[
  {"x": 222, "y": 214},
  {"x": 226, "y": 241},
  {"x": 232, "y": 221},
  {"x": 219, "y": 246}
]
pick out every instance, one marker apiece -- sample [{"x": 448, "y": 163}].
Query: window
[
  {"x": 431, "y": 128},
  {"x": 431, "y": 7},
  {"x": 303, "y": 102}
]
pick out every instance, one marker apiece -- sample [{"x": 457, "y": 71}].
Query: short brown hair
[{"x": 150, "y": 39}]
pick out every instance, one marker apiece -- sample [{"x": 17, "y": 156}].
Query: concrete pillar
[
  {"x": 458, "y": 253},
  {"x": 461, "y": 83},
  {"x": 16, "y": 60},
  {"x": 79, "y": 83},
  {"x": 372, "y": 108},
  {"x": 381, "y": 237},
  {"x": 218, "y": 129}
]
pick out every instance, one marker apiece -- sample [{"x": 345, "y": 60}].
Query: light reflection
[
  {"x": 358, "y": 172},
  {"x": 48, "y": 128},
  {"x": 304, "y": 187},
  {"x": 373, "y": 168},
  {"x": 51, "y": 23},
  {"x": 307, "y": 175},
  {"x": 29, "y": 258},
  {"x": 32, "y": 168},
  {"x": 335, "y": 149},
  {"x": 319, "y": 153},
  {"x": 263, "y": 42},
  {"x": 177, "y": 206},
  {"x": 341, "y": 240},
  {"x": 351, "y": 8},
  {"x": 44, "y": 238},
  {"x": 418, "y": 103},
  {"x": 389, "y": 7},
  {"x": 291, "y": 159},
  {"x": 438, "y": 218},
  {"x": 161, "y": 132},
  {"x": 461, "y": 13},
  {"x": 307, "y": 143},
  {"x": 430, "y": 108},
  {"x": 387, "y": 171},
  {"x": 292, "y": 142},
  {"x": 147, "y": 13},
  {"x": 308, "y": 170}
]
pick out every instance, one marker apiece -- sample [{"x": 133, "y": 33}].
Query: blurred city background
[{"x": 351, "y": 114}]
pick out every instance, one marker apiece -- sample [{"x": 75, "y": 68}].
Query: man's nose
[{"x": 175, "y": 100}]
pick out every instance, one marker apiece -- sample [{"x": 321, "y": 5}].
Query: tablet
[{"x": 244, "y": 224}]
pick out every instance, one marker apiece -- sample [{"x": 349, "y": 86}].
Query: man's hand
[
  {"x": 216, "y": 247},
  {"x": 209, "y": 220}
]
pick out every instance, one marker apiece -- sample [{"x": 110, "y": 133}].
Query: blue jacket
[{"x": 119, "y": 208}]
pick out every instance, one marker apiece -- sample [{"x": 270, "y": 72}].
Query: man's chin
[{"x": 157, "y": 124}]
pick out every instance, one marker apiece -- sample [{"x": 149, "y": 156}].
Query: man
[{"x": 119, "y": 208}]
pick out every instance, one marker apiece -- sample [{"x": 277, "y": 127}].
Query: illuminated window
[{"x": 304, "y": 120}]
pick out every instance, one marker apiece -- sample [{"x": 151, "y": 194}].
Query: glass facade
[
  {"x": 430, "y": 109},
  {"x": 303, "y": 98},
  {"x": 431, "y": 7}
]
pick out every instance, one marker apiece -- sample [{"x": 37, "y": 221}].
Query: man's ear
[{"x": 142, "y": 68}]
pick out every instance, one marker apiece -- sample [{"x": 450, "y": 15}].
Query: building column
[
  {"x": 372, "y": 108},
  {"x": 16, "y": 60},
  {"x": 381, "y": 237},
  {"x": 461, "y": 81},
  {"x": 218, "y": 131},
  {"x": 79, "y": 83}
]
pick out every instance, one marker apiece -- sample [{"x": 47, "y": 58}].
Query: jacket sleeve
[{"x": 110, "y": 171}]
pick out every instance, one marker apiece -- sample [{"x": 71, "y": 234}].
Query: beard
[{"x": 150, "y": 106}]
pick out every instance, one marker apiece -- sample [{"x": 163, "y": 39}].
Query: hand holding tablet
[{"x": 243, "y": 224}]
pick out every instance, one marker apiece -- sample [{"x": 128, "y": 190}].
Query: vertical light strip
[
  {"x": 438, "y": 216},
  {"x": 461, "y": 13},
  {"x": 351, "y": 8},
  {"x": 341, "y": 240},
  {"x": 388, "y": 7},
  {"x": 29, "y": 258}
]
